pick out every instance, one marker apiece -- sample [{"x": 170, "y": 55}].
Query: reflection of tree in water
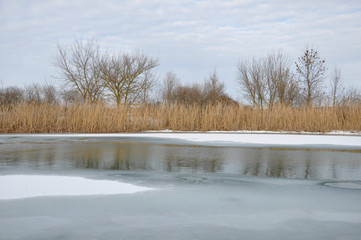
[
  {"x": 91, "y": 158},
  {"x": 194, "y": 164},
  {"x": 284, "y": 163},
  {"x": 107, "y": 156},
  {"x": 121, "y": 159},
  {"x": 310, "y": 166},
  {"x": 307, "y": 164},
  {"x": 278, "y": 165},
  {"x": 307, "y": 169},
  {"x": 251, "y": 162},
  {"x": 214, "y": 165},
  {"x": 35, "y": 156},
  {"x": 195, "y": 159},
  {"x": 84, "y": 156},
  {"x": 276, "y": 169}
]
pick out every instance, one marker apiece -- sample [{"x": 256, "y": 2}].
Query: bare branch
[
  {"x": 78, "y": 65},
  {"x": 311, "y": 73},
  {"x": 127, "y": 76}
]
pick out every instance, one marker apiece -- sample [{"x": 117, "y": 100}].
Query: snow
[
  {"x": 259, "y": 139},
  {"x": 263, "y": 138},
  {"x": 266, "y": 132},
  {"x": 25, "y": 186}
]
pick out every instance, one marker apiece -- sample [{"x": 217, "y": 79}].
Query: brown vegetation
[
  {"x": 108, "y": 93},
  {"x": 97, "y": 118}
]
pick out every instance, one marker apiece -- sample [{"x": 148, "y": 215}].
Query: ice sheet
[
  {"x": 25, "y": 186},
  {"x": 261, "y": 138},
  {"x": 254, "y": 138}
]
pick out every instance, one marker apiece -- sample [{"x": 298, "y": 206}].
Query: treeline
[
  {"x": 268, "y": 81},
  {"x": 119, "y": 92},
  {"x": 128, "y": 78},
  {"x": 170, "y": 92},
  {"x": 92, "y": 76},
  {"x": 37, "y": 94},
  {"x": 211, "y": 92}
]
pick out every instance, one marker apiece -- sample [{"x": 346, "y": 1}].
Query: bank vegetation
[
  {"x": 119, "y": 92},
  {"x": 98, "y": 118}
]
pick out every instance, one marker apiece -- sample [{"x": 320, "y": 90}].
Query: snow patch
[
  {"x": 25, "y": 186},
  {"x": 263, "y": 138},
  {"x": 259, "y": 138}
]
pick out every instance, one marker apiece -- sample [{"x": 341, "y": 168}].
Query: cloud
[{"x": 189, "y": 37}]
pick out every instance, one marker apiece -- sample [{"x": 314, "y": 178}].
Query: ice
[
  {"x": 244, "y": 138},
  {"x": 349, "y": 185},
  {"x": 25, "y": 186},
  {"x": 260, "y": 139},
  {"x": 202, "y": 192},
  {"x": 232, "y": 208}
]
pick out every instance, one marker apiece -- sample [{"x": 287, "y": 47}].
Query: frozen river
[{"x": 193, "y": 189}]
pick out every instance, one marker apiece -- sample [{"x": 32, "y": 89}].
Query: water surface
[
  {"x": 152, "y": 157},
  {"x": 201, "y": 192}
]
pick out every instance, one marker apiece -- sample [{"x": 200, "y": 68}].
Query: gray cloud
[{"x": 189, "y": 37}]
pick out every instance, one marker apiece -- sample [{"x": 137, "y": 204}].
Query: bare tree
[
  {"x": 71, "y": 97},
  {"x": 213, "y": 89},
  {"x": 310, "y": 70},
  {"x": 10, "y": 96},
  {"x": 78, "y": 64},
  {"x": 267, "y": 81},
  {"x": 33, "y": 94},
  {"x": 188, "y": 95},
  {"x": 211, "y": 92},
  {"x": 350, "y": 96},
  {"x": 50, "y": 94},
  {"x": 170, "y": 84},
  {"x": 273, "y": 71},
  {"x": 289, "y": 92},
  {"x": 280, "y": 84},
  {"x": 145, "y": 94},
  {"x": 250, "y": 76},
  {"x": 127, "y": 76},
  {"x": 336, "y": 84}
]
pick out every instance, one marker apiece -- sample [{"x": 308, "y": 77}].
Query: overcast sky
[{"x": 190, "y": 38}]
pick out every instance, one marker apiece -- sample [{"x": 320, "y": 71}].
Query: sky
[{"x": 190, "y": 38}]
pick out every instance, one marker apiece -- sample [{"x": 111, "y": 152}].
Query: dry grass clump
[{"x": 97, "y": 118}]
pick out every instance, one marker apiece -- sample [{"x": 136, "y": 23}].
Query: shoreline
[
  {"x": 332, "y": 140},
  {"x": 166, "y": 131}
]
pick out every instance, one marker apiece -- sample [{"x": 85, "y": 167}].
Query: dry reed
[{"x": 28, "y": 118}]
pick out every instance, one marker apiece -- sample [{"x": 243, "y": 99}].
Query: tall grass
[{"x": 29, "y": 118}]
